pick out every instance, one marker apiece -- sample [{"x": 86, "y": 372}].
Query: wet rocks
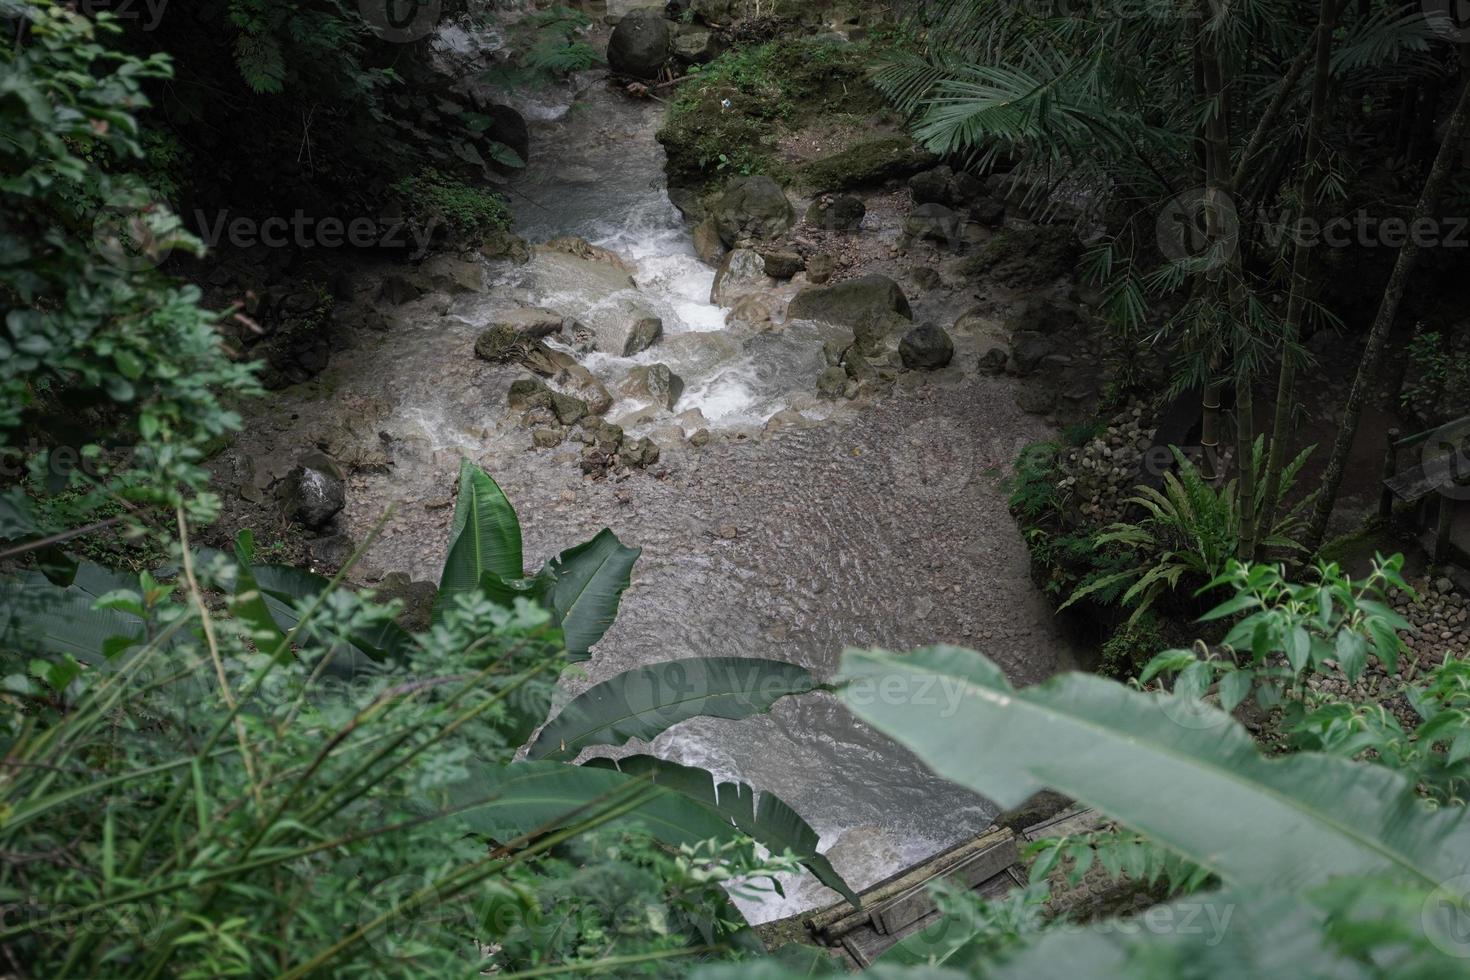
[
  {"x": 752, "y": 208},
  {"x": 501, "y": 344},
  {"x": 707, "y": 242},
  {"x": 639, "y": 453},
  {"x": 547, "y": 438},
  {"x": 743, "y": 271},
  {"x": 783, "y": 264},
  {"x": 640, "y": 44},
  {"x": 926, "y": 348},
  {"x": 583, "y": 249},
  {"x": 397, "y": 290},
  {"x": 582, "y": 383},
  {"x": 527, "y": 394},
  {"x": 657, "y": 384},
  {"x": 568, "y": 409},
  {"x": 820, "y": 268},
  {"x": 866, "y": 163},
  {"x": 832, "y": 382},
  {"x": 534, "y": 322},
  {"x": 934, "y": 223},
  {"x": 645, "y": 333},
  {"x": 852, "y": 303},
  {"x": 994, "y": 361},
  {"x": 315, "y": 491},
  {"x": 837, "y": 212}
]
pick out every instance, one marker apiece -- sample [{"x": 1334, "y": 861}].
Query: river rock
[
  {"x": 934, "y": 223},
  {"x": 842, "y": 212},
  {"x": 645, "y": 333},
  {"x": 853, "y": 303},
  {"x": 579, "y": 381},
  {"x": 696, "y": 46},
  {"x": 330, "y": 553},
  {"x": 315, "y": 491},
  {"x": 583, "y": 249},
  {"x": 657, "y": 384},
  {"x": 546, "y": 438},
  {"x": 820, "y": 268},
  {"x": 569, "y": 409},
  {"x": 926, "y": 348},
  {"x": 988, "y": 212},
  {"x": 866, "y": 163},
  {"x": 501, "y": 344},
  {"x": 994, "y": 361},
  {"x": 743, "y": 271},
  {"x": 832, "y": 382},
  {"x": 534, "y": 322},
  {"x": 783, "y": 265},
  {"x": 397, "y": 290},
  {"x": 707, "y": 242},
  {"x": 752, "y": 208},
  {"x": 640, "y": 45},
  {"x": 528, "y": 393},
  {"x": 639, "y": 453},
  {"x": 933, "y": 186},
  {"x": 453, "y": 275},
  {"x": 1028, "y": 350}
]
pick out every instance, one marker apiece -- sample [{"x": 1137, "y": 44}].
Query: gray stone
[
  {"x": 752, "y": 208},
  {"x": 707, "y": 243},
  {"x": 396, "y": 290},
  {"x": 852, "y": 303},
  {"x": 315, "y": 490},
  {"x": 331, "y": 552},
  {"x": 569, "y": 409},
  {"x": 527, "y": 394},
  {"x": 640, "y": 45},
  {"x": 832, "y": 382},
  {"x": 933, "y": 186},
  {"x": 926, "y": 348},
  {"x": 534, "y": 322},
  {"x": 657, "y": 384},
  {"x": 645, "y": 333},
  {"x": 934, "y": 223},
  {"x": 819, "y": 269},
  {"x": 844, "y": 212},
  {"x": 581, "y": 382},
  {"x": 994, "y": 361},
  {"x": 546, "y": 438},
  {"x": 783, "y": 265},
  {"x": 501, "y": 344},
  {"x": 743, "y": 271},
  {"x": 639, "y": 453}
]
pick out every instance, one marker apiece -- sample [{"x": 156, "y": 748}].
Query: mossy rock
[
  {"x": 866, "y": 164},
  {"x": 1025, "y": 259}
]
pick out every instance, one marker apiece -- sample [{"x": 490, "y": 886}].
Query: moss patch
[
  {"x": 727, "y": 121},
  {"x": 866, "y": 163}
]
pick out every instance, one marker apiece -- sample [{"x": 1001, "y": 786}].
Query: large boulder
[
  {"x": 707, "y": 243},
  {"x": 752, "y": 208},
  {"x": 533, "y": 322},
  {"x": 842, "y": 212},
  {"x": 645, "y": 333},
  {"x": 657, "y": 384},
  {"x": 926, "y": 348},
  {"x": 934, "y": 223},
  {"x": 315, "y": 491},
  {"x": 641, "y": 44},
  {"x": 853, "y": 303},
  {"x": 742, "y": 272},
  {"x": 866, "y": 164}
]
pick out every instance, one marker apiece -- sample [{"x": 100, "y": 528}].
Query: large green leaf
[
  {"x": 484, "y": 538},
  {"x": 284, "y": 586},
  {"x": 589, "y": 581},
  {"x": 1185, "y": 774},
  {"x": 770, "y": 821},
  {"x": 36, "y": 615},
  {"x": 644, "y": 702},
  {"x": 530, "y": 796}
]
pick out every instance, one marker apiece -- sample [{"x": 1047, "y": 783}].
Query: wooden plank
[
  {"x": 892, "y": 916},
  {"x": 831, "y": 923}
]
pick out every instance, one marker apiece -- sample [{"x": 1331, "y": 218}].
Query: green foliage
[
  {"x": 1286, "y": 631},
  {"x": 88, "y": 325},
  {"x": 1435, "y": 369},
  {"x": 1130, "y": 647},
  {"x": 1190, "y": 532},
  {"x": 771, "y": 88},
  {"x": 432, "y": 199},
  {"x": 1034, "y": 486}
]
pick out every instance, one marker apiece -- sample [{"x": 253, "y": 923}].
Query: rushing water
[{"x": 883, "y": 525}]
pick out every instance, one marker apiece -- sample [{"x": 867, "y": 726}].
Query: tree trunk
[
  {"x": 1393, "y": 295},
  {"x": 1297, "y": 300}
]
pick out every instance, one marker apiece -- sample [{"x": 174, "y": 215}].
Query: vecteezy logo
[
  {"x": 401, "y": 21},
  {"x": 934, "y": 459},
  {"x": 1445, "y": 457},
  {"x": 133, "y": 234},
  {"x": 1449, "y": 18},
  {"x": 1445, "y": 916},
  {"x": 1199, "y": 228}
]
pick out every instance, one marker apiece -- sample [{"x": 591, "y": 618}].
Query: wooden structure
[
  {"x": 901, "y": 905},
  {"x": 1437, "y": 488}
]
